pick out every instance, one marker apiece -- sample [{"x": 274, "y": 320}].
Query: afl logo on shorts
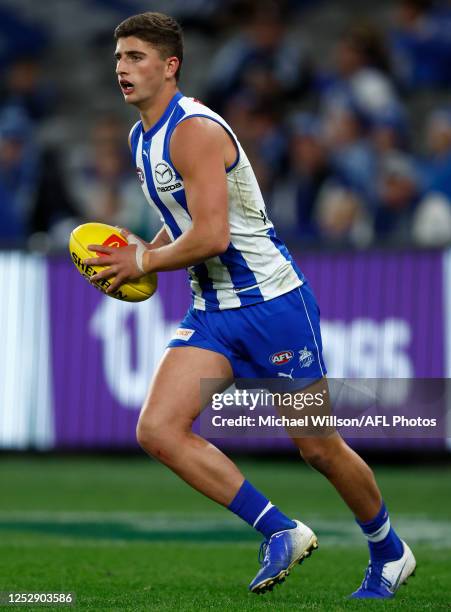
[
  {"x": 281, "y": 358},
  {"x": 140, "y": 174}
]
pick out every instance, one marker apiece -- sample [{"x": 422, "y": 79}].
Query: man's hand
[{"x": 125, "y": 263}]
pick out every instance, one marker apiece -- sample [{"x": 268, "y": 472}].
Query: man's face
[{"x": 140, "y": 70}]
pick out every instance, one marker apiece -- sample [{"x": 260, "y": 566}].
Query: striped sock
[
  {"x": 383, "y": 542},
  {"x": 254, "y": 508}
]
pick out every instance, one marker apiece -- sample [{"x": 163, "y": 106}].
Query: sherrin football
[{"x": 107, "y": 235}]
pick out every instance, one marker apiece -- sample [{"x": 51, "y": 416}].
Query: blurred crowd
[{"x": 341, "y": 152}]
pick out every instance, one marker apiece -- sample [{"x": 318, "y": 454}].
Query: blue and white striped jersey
[{"x": 256, "y": 266}]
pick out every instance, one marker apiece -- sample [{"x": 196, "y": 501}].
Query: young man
[{"x": 249, "y": 302}]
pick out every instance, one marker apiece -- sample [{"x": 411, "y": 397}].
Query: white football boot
[{"x": 280, "y": 554}]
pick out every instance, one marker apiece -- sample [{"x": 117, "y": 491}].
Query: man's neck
[{"x": 155, "y": 109}]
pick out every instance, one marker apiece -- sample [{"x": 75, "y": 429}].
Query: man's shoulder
[
  {"x": 198, "y": 120},
  {"x": 193, "y": 107},
  {"x": 197, "y": 137}
]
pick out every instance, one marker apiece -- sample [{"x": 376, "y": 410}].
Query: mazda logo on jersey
[
  {"x": 281, "y": 357},
  {"x": 163, "y": 173}
]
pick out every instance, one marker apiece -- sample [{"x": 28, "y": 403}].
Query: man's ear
[{"x": 172, "y": 65}]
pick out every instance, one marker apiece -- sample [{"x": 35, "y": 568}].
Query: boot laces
[{"x": 373, "y": 576}]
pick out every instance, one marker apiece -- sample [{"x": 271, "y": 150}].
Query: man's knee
[
  {"x": 154, "y": 436},
  {"x": 317, "y": 453}
]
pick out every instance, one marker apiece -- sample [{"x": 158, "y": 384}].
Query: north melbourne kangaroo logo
[
  {"x": 305, "y": 358},
  {"x": 163, "y": 173}
]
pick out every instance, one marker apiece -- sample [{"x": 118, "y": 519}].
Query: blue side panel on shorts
[
  {"x": 241, "y": 275},
  {"x": 167, "y": 216}
]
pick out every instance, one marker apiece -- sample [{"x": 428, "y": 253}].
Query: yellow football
[{"x": 107, "y": 235}]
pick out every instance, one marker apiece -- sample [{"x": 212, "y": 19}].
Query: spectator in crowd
[
  {"x": 431, "y": 224},
  {"x": 18, "y": 176},
  {"x": 260, "y": 59},
  {"x": 398, "y": 194},
  {"x": 53, "y": 203},
  {"x": 421, "y": 44},
  {"x": 202, "y": 15},
  {"x": 437, "y": 165},
  {"x": 351, "y": 154},
  {"x": 102, "y": 186},
  {"x": 23, "y": 86},
  {"x": 258, "y": 128},
  {"x": 19, "y": 36},
  {"x": 432, "y": 220},
  {"x": 342, "y": 217},
  {"x": 362, "y": 73},
  {"x": 33, "y": 192},
  {"x": 309, "y": 170},
  {"x": 389, "y": 130}
]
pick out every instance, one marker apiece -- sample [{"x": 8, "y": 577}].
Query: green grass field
[{"x": 126, "y": 534}]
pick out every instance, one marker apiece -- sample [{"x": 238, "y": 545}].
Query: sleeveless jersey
[{"x": 256, "y": 265}]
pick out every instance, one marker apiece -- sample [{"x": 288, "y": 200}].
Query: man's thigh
[{"x": 174, "y": 395}]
